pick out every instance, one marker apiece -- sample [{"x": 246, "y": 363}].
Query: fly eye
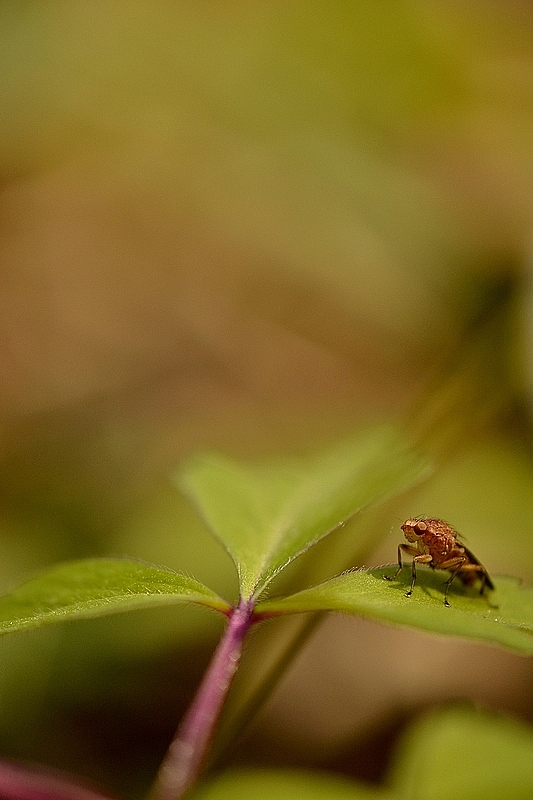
[{"x": 420, "y": 528}]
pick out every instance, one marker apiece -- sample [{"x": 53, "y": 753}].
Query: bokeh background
[{"x": 255, "y": 226}]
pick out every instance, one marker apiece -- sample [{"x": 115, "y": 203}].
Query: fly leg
[
  {"x": 407, "y": 549},
  {"x": 454, "y": 565},
  {"x": 486, "y": 581},
  {"x": 477, "y": 571},
  {"x": 425, "y": 558}
]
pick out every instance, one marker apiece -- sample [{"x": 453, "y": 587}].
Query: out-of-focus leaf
[
  {"x": 266, "y": 515},
  {"x": 262, "y": 784},
  {"x": 505, "y": 617},
  {"x": 95, "y": 587},
  {"x": 466, "y": 755}
]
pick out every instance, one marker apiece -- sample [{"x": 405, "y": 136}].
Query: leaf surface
[
  {"x": 473, "y": 755},
  {"x": 365, "y": 592},
  {"x": 96, "y": 587},
  {"x": 277, "y": 784},
  {"x": 266, "y": 515}
]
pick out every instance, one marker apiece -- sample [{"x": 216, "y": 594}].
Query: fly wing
[{"x": 475, "y": 560}]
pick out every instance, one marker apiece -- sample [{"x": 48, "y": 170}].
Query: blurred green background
[{"x": 255, "y": 226}]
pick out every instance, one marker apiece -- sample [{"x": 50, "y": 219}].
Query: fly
[{"x": 434, "y": 542}]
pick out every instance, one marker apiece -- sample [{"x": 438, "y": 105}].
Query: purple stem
[
  {"x": 185, "y": 756},
  {"x": 21, "y": 782}
]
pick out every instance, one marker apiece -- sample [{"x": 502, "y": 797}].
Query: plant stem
[
  {"x": 266, "y": 662},
  {"x": 20, "y": 782},
  {"x": 185, "y": 756}
]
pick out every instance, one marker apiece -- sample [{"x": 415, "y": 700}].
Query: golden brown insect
[{"x": 437, "y": 544}]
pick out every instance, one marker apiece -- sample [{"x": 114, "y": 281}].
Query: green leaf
[
  {"x": 465, "y": 755},
  {"x": 266, "y": 515},
  {"x": 505, "y": 617},
  {"x": 96, "y": 587},
  {"x": 276, "y": 784}
]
